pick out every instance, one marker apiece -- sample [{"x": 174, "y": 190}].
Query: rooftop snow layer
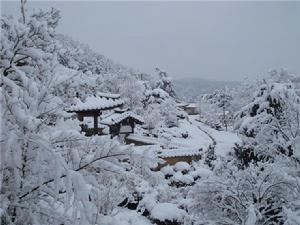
[
  {"x": 118, "y": 117},
  {"x": 95, "y": 103},
  {"x": 168, "y": 153},
  {"x": 108, "y": 95},
  {"x": 146, "y": 140},
  {"x": 181, "y": 104},
  {"x": 192, "y": 105}
]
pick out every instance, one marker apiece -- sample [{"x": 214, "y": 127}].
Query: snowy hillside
[{"x": 90, "y": 142}]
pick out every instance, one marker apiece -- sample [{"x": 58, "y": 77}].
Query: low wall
[{"x": 188, "y": 159}]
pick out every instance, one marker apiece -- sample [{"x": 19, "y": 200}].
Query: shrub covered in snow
[
  {"x": 180, "y": 179},
  {"x": 167, "y": 170},
  {"x": 182, "y": 166},
  {"x": 167, "y": 212},
  {"x": 124, "y": 217}
]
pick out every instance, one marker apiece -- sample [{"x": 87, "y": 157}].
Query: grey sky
[{"x": 212, "y": 40}]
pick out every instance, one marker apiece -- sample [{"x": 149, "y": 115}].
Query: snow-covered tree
[
  {"x": 162, "y": 105},
  {"x": 169, "y": 112},
  {"x": 165, "y": 83},
  {"x": 284, "y": 76},
  {"x": 254, "y": 196},
  {"x": 152, "y": 117},
  {"x": 216, "y": 107},
  {"x": 272, "y": 122},
  {"x": 132, "y": 91},
  {"x": 48, "y": 169}
]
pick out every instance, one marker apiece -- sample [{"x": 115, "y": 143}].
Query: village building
[
  {"x": 181, "y": 105},
  {"x": 189, "y": 108},
  {"x": 93, "y": 107},
  {"x": 103, "y": 114},
  {"x": 121, "y": 123}
]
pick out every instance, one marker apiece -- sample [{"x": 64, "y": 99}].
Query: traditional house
[
  {"x": 191, "y": 109},
  {"x": 181, "y": 105},
  {"x": 121, "y": 123},
  {"x": 93, "y": 106}
]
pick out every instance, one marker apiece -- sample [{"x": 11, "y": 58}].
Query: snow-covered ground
[
  {"x": 199, "y": 137},
  {"x": 173, "y": 137},
  {"x": 225, "y": 140},
  {"x": 123, "y": 216},
  {"x": 196, "y": 138}
]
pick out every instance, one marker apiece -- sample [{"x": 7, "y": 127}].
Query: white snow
[
  {"x": 201, "y": 172},
  {"x": 225, "y": 140},
  {"x": 181, "y": 166},
  {"x": 167, "y": 211},
  {"x": 167, "y": 170},
  {"x": 191, "y": 105},
  {"x": 125, "y": 217},
  {"x": 108, "y": 95},
  {"x": 93, "y": 102},
  {"x": 181, "y": 104},
  {"x": 251, "y": 217},
  {"x": 184, "y": 178},
  {"x": 146, "y": 140},
  {"x": 196, "y": 139}
]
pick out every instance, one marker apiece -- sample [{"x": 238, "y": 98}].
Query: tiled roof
[
  {"x": 108, "y": 95},
  {"x": 169, "y": 153},
  {"x": 118, "y": 117},
  {"x": 95, "y": 103}
]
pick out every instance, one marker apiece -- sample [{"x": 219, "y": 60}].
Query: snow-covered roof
[
  {"x": 146, "y": 140},
  {"x": 169, "y": 153},
  {"x": 95, "y": 103},
  {"x": 108, "y": 95},
  {"x": 191, "y": 105},
  {"x": 181, "y": 104},
  {"x": 120, "y": 110},
  {"x": 118, "y": 117}
]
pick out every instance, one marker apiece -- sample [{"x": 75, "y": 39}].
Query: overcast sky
[{"x": 212, "y": 40}]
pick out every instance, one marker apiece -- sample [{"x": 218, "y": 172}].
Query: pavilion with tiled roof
[{"x": 93, "y": 106}]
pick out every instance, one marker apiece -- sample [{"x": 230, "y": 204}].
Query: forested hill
[{"x": 76, "y": 55}]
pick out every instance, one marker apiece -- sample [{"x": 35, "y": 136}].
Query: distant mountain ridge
[{"x": 189, "y": 89}]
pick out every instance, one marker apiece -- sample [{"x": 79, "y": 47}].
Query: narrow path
[
  {"x": 214, "y": 143},
  {"x": 209, "y": 155},
  {"x": 211, "y": 147},
  {"x": 223, "y": 142}
]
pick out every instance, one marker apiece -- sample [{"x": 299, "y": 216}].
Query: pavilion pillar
[
  {"x": 80, "y": 116},
  {"x": 96, "y": 123}
]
